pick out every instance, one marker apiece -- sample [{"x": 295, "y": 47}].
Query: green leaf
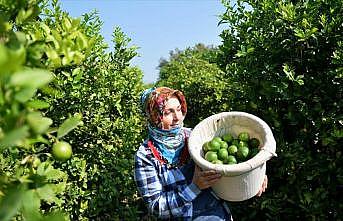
[
  {"x": 25, "y": 94},
  {"x": 31, "y": 206},
  {"x": 38, "y": 123},
  {"x": 38, "y": 104},
  {"x": 57, "y": 216},
  {"x": 81, "y": 41},
  {"x": 59, "y": 187},
  {"x": 46, "y": 193},
  {"x": 69, "y": 125},
  {"x": 31, "y": 78},
  {"x": 45, "y": 169},
  {"x": 55, "y": 174},
  {"x": 53, "y": 57},
  {"x": 14, "y": 137},
  {"x": 11, "y": 202},
  {"x": 3, "y": 57},
  {"x": 53, "y": 92},
  {"x": 300, "y": 33},
  {"x": 23, "y": 15}
]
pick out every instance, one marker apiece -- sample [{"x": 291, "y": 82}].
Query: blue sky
[{"x": 155, "y": 26}]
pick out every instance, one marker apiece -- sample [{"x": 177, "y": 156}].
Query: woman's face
[{"x": 172, "y": 114}]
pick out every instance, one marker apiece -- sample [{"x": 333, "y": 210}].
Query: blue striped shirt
[{"x": 163, "y": 188}]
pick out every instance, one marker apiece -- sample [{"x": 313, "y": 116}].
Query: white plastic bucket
[{"x": 243, "y": 180}]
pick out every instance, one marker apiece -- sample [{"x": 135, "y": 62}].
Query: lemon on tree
[{"x": 62, "y": 151}]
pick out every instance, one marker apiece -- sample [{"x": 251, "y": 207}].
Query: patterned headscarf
[
  {"x": 153, "y": 101},
  {"x": 168, "y": 142}
]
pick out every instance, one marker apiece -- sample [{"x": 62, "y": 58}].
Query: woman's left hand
[{"x": 264, "y": 186}]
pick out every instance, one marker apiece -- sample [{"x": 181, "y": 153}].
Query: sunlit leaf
[
  {"x": 68, "y": 125},
  {"x": 32, "y": 78},
  {"x": 38, "y": 104},
  {"x": 38, "y": 123}
]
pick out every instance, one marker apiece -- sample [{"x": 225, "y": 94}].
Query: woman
[{"x": 169, "y": 182}]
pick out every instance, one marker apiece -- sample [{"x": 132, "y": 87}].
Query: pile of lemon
[{"x": 228, "y": 149}]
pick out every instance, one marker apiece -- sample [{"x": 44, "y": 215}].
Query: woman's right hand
[{"x": 205, "y": 179}]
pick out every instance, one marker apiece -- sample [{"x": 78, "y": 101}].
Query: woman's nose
[{"x": 175, "y": 116}]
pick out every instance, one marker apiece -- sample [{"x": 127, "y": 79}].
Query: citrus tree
[
  {"x": 104, "y": 90},
  {"x": 287, "y": 58},
  {"x": 56, "y": 75},
  {"x": 30, "y": 52}
]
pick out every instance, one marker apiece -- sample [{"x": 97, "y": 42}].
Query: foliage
[
  {"x": 55, "y": 71},
  {"x": 28, "y": 180},
  {"x": 104, "y": 90},
  {"x": 287, "y": 58}
]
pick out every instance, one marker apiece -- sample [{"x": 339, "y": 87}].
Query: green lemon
[
  {"x": 243, "y": 152},
  {"x": 211, "y": 156},
  {"x": 228, "y": 137},
  {"x": 231, "y": 160},
  {"x": 254, "y": 152},
  {"x": 223, "y": 145},
  {"x": 244, "y": 136},
  {"x": 235, "y": 142},
  {"x": 232, "y": 149},
  {"x": 254, "y": 143},
  {"x": 217, "y": 162},
  {"x": 62, "y": 151},
  {"x": 242, "y": 144},
  {"x": 217, "y": 139},
  {"x": 205, "y": 147},
  {"x": 223, "y": 154},
  {"x": 214, "y": 145}
]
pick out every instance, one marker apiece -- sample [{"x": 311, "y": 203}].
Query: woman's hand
[
  {"x": 264, "y": 186},
  {"x": 205, "y": 179}
]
